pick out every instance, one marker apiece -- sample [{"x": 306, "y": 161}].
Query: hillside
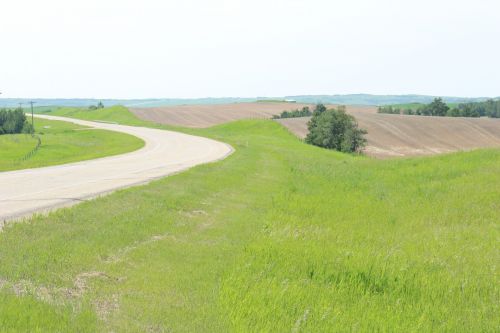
[
  {"x": 281, "y": 236},
  {"x": 199, "y": 116},
  {"x": 388, "y": 135},
  {"x": 397, "y": 136}
]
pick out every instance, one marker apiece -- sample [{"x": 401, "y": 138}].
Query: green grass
[
  {"x": 115, "y": 114},
  {"x": 62, "y": 142},
  {"x": 279, "y": 237}
]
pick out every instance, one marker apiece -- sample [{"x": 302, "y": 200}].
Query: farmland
[
  {"x": 388, "y": 135},
  {"x": 399, "y": 136},
  {"x": 280, "y": 236},
  {"x": 61, "y": 142},
  {"x": 199, "y": 116}
]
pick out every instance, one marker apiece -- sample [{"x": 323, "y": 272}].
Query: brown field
[
  {"x": 210, "y": 115},
  {"x": 397, "y": 136},
  {"x": 388, "y": 135}
]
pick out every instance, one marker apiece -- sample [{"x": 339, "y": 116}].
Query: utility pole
[{"x": 32, "y": 121}]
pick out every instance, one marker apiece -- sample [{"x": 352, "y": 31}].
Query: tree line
[
  {"x": 438, "y": 108},
  {"x": 14, "y": 122},
  {"x": 97, "y": 107},
  {"x": 304, "y": 112}
]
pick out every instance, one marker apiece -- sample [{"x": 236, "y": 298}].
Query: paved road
[{"x": 27, "y": 191}]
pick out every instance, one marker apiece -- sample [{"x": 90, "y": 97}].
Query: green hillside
[
  {"x": 61, "y": 142},
  {"x": 279, "y": 237}
]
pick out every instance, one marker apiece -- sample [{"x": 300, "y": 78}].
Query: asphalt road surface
[{"x": 25, "y": 192}]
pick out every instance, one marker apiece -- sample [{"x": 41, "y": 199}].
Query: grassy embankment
[
  {"x": 280, "y": 236},
  {"x": 62, "y": 143},
  {"x": 114, "y": 114}
]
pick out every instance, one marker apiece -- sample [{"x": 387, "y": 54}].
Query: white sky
[{"x": 200, "y": 48}]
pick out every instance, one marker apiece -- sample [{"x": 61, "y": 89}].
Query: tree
[
  {"x": 96, "y": 107},
  {"x": 319, "y": 109},
  {"x": 12, "y": 121},
  {"x": 435, "y": 108},
  {"x": 454, "y": 113},
  {"x": 468, "y": 110},
  {"x": 335, "y": 129},
  {"x": 304, "y": 112}
]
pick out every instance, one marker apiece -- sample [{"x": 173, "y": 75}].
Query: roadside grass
[
  {"x": 62, "y": 142},
  {"x": 280, "y": 236},
  {"x": 116, "y": 114}
]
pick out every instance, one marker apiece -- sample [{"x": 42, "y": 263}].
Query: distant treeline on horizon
[{"x": 352, "y": 99}]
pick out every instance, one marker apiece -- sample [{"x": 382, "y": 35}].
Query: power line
[{"x": 32, "y": 118}]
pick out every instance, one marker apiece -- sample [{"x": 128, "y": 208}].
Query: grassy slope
[
  {"x": 280, "y": 236},
  {"x": 62, "y": 143},
  {"x": 118, "y": 114}
]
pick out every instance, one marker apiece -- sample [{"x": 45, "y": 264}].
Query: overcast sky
[{"x": 201, "y": 48}]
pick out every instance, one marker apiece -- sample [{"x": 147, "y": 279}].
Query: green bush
[
  {"x": 335, "y": 129},
  {"x": 14, "y": 122},
  {"x": 304, "y": 112},
  {"x": 389, "y": 110}
]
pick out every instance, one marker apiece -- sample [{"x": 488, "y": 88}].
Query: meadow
[
  {"x": 115, "y": 114},
  {"x": 281, "y": 236},
  {"x": 61, "y": 142}
]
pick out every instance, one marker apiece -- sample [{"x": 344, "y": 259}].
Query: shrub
[
  {"x": 435, "y": 108},
  {"x": 96, "y": 107},
  {"x": 389, "y": 110},
  {"x": 335, "y": 129},
  {"x": 304, "y": 112},
  {"x": 13, "y": 121}
]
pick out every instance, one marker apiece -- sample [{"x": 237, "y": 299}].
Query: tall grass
[
  {"x": 61, "y": 142},
  {"x": 281, "y": 236}
]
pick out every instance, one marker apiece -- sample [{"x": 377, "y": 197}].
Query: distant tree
[
  {"x": 469, "y": 110},
  {"x": 454, "y": 113},
  {"x": 389, "y": 110},
  {"x": 304, "y": 112},
  {"x": 335, "y": 129},
  {"x": 435, "y": 108},
  {"x": 96, "y": 107},
  {"x": 489, "y": 108},
  {"x": 13, "y": 122}
]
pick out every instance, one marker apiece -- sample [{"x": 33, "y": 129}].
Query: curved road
[{"x": 27, "y": 191}]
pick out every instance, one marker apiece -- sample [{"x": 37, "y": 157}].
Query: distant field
[
  {"x": 62, "y": 143},
  {"x": 397, "y": 136},
  {"x": 388, "y": 135},
  {"x": 200, "y": 116},
  {"x": 415, "y": 106},
  {"x": 279, "y": 237}
]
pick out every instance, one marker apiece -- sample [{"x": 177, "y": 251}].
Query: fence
[{"x": 33, "y": 151}]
